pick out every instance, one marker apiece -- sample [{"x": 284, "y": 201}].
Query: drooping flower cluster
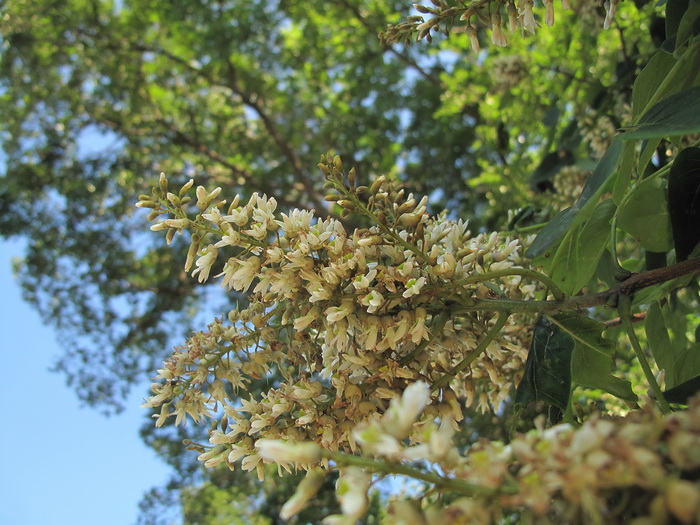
[
  {"x": 496, "y": 17},
  {"x": 507, "y": 71},
  {"x": 636, "y": 469},
  {"x": 347, "y": 319}
]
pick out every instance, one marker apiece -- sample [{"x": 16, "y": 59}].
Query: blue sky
[{"x": 61, "y": 463}]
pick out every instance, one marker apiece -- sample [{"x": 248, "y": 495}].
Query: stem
[
  {"x": 485, "y": 342},
  {"x": 609, "y": 297},
  {"x": 624, "y": 307},
  {"x": 524, "y": 272},
  {"x": 454, "y": 485}
]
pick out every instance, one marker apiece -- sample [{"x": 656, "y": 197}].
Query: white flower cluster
[
  {"x": 606, "y": 471},
  {"x": 349, "y": 320},
  {"x": 508, "y": 71},
  {"x": 519, "y": 15},
  {"x": 568, "y": 184}
]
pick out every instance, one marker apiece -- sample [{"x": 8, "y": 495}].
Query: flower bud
[
  {"x": 279, "y": 451},
  {"x": 185, "y": 188},
  {"x": 306, "y": 490}
]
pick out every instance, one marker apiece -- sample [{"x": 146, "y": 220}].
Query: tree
[{"x": 179, "y": 97}]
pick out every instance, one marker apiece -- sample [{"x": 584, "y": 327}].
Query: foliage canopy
[{"x": 381, "y": 337}]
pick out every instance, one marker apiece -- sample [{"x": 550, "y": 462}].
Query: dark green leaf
[
  {"x": 548, "y": 367},
  {"x": 649, "y": 80},
  {"x": 683, "y": 392},
  {"x": 580, "y": 211},
  {"x": 684, "y": 201},
  {"x": 658, "y": 338},
  {"x": 592, "y": 358},
  {"x": 676, "y": 115},
  {"x": 625, "y": 173},
  {"x": 688, "y": 26},
  {"x": 645, "y": 216},
  {"x": 577, "y": 257},
  {"x": 675, "y": 9}
]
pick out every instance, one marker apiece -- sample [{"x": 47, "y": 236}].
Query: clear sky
[{"x": 61, "y": 463}]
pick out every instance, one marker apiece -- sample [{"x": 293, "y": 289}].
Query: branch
[
  {"x": 404, "y": 58},
  {"x": 609, "y": 297}
]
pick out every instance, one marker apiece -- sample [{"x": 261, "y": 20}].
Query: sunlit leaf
[{"x": 592, "y": 358}]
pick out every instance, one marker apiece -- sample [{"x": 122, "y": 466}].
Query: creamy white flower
[
  {"x": 205, "y": 262},
  {"x": 373, "y": 300},
  {"x": 362, "y": 281},
  {"x": 238, "y": 216},
  {"x": 413, "y": 287}
]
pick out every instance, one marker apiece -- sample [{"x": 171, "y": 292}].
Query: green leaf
[
  {"x": 681, "y": 393},
  {"x": 548, "y": 367},
  {"x": 624, "y": 175},
  {"x": 649, "y": 80},
  {"x": 577, "y": 257},
  {"x": 686, "y": 365},
  {"x": 688, "y": 24},
  {"x": 644, "y": 215},
  {"x": 583, "y": 207},
  {"x": 658, "y": 338},
  {"x": 675, "y": 115},
  {"x": 684, "y": 201},
  {"x": 592, "y": 358},
  {"x": 675, "y": 9}
]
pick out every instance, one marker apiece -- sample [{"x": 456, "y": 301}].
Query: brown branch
[
  {"x": 636, "y": 318},
  {"x": 609, "y": 297}
]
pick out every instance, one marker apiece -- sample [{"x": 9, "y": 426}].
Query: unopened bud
[
  {"x": 324, "y": 169},
  {"x": 351, "y": 177},
  {"x": 154, "y": 215},
  {"x": 338, "y": 163},
  {"x": 163, "y": 183},
  {"x": 280, "y": 451},
  {"x": 174, "y": 199},
  {"x": 186, "y": 188},
  {"x": 377, "y": 184}
]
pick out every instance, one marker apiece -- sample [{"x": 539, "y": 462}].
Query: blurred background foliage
[{"x": 98, "y": 97}]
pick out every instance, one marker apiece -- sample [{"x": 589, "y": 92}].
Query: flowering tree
[{"x": 376, "y": 337}]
